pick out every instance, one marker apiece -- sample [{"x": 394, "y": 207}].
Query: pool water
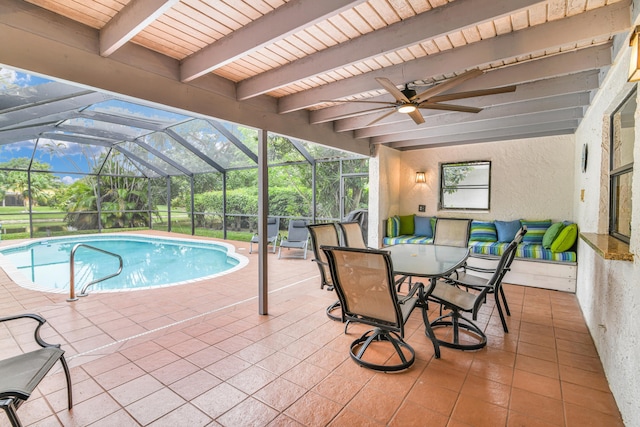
[{"x": 147, "y": 262}]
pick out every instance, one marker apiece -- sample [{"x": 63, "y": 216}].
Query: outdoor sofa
[{"x": 546, "y": 258}]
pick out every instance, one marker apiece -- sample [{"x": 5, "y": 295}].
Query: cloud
[{"x": 68, "y": 180}]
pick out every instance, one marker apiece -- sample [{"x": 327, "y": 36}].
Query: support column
[{"x": 263, "y": 211}]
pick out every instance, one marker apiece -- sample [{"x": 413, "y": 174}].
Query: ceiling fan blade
[
  {"x": 358, "y": 100},
  {"x": 360, "y": 113},
  {"x": 384, "y": 116},
  {"x": 471, "y": 94},
  {"x": 416, "y": 115},
  {"x": 445, "y": 86},
  {"x": 392, "y": 89},
  {"x": 449, "y": 107}
]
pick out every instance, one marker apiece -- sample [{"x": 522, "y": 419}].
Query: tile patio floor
[{"x": 200, "y": 355}]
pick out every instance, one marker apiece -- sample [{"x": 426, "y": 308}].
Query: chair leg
[
  {"x": 67, "y": 374},
  {"x": 429, "y": 332},
  {"x": 504, "y": 301},
  {"x": 335, "y": 306},
  {"x": 502, "y": 319},
  {"x": 457, "y": 322},
  {"x": 377, "y": 334},
  {"x": 10, "y": 409}
]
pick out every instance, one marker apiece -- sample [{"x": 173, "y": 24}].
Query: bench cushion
[
  {"x": 523, "y": 251},
  {"x": 387, "y": 241}
]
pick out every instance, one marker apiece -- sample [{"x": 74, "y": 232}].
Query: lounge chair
[
  {"x": 297, "y": 237},
  {"x": 273, "y": 234}
]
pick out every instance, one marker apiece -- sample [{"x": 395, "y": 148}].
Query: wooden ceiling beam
[
  {"x": 132, "y": 19},
  {"x": 541, "y": 118},
  {"x": 502, "y": 134},
  {"x": 282, "y": 22}
]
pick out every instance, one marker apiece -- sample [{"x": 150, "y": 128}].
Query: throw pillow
[
  {"x": 407, "y": 226},
  {"x": 507, "y": 230},
  {"x": 423, "y": 226},
  {"x": 551, "y": 234},
  {"x": 535, "y": 231},
  {"x": 393, "y": 226},
  {"x": 565, "y": 239},
  {"x": 483, "y": 231}
]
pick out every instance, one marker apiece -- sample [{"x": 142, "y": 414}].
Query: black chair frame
[{"x": 21, "y": 374}]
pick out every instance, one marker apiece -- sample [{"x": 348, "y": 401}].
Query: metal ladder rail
[{"x": 72, "y": 285}]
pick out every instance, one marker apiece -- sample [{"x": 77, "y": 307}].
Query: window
[
  {"x": 621, "y": 168},
  {"x": 465, "y": 185}
]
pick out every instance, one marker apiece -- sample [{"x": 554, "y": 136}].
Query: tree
[
  {"x": 43, "y": 184},
  {"x": 123, "y": 199}
]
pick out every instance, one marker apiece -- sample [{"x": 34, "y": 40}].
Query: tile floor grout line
[{"x": 120, "y": 341}]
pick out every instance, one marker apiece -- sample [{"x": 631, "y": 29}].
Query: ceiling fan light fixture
[{"x": 407, "y": 108}]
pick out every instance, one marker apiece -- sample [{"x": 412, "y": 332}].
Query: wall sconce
[
  {"x": 421, "y": 178},
  {"x": 634, "y": 66}
]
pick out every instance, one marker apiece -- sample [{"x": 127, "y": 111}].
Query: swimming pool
[{"x": 148, "y": 262}]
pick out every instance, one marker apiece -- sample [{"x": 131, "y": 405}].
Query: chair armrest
[
  {"x": 412, "y": 292},
  {"x": 480, "y": 269},
  {"x": 36, "y": 333}
]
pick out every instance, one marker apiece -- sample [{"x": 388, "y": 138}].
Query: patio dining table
[{"x": 430, "y": 262}]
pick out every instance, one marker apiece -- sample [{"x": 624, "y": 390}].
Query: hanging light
[
  {"x": 407, "y": 108},
  {"x": 421, "y": 178}
]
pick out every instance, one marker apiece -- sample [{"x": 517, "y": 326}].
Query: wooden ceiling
[{"x": 305, "y": 53}]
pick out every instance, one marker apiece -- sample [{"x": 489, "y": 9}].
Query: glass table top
[{"x": 426, "y": 260}]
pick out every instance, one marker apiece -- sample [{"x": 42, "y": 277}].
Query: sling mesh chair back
[
  {"x": 21, "y": 374},
  {"x": 458, "y": 300},
  {"x": 273, "y": 234},
  {"x": 325, "y": 235},
  {"x": 297, "y": 237},
  {"x": 452, "y": 232},
  {"x": 480, "y": 280},
  {"x": 363, "y": 279},
  {"x": 352, "y": 234}
]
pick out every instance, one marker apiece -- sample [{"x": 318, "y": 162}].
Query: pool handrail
[{"x": 72, "y": 285}]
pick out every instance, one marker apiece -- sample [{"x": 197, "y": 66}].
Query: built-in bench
[{"x": 546, "y": 258}]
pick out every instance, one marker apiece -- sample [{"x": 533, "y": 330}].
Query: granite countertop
[{"x": 608, "y": 247}]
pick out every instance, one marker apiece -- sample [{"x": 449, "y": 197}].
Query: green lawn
[{"x": 14, "y": 221}]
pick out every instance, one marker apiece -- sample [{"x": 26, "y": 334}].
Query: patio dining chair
[
  {"x": 452, "y": 232},
  {"x": 21, "y": 374},
  {"x": 465, "y": 278},
  {"x": 458, "y": 300},
  {"x": 297, "y": 237},
  {"x": 325, "y": 235},
  {"x": 363, "y": 280},
  {"x": 273, "y": 234},
  {"x": 352, "y": 234}
]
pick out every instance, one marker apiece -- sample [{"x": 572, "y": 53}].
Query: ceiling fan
[{"x": 407, "y": 101}]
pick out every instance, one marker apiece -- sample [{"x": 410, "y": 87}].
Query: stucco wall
[
  {"x": 530, "y": 178},
  {"x": 609, "y": 291}
]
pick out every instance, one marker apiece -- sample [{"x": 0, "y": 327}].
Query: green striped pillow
[
  {"x": 393, "y": 226},
  {"x": 535, "y": 231},
  {"x": 483, "y": 231}
]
